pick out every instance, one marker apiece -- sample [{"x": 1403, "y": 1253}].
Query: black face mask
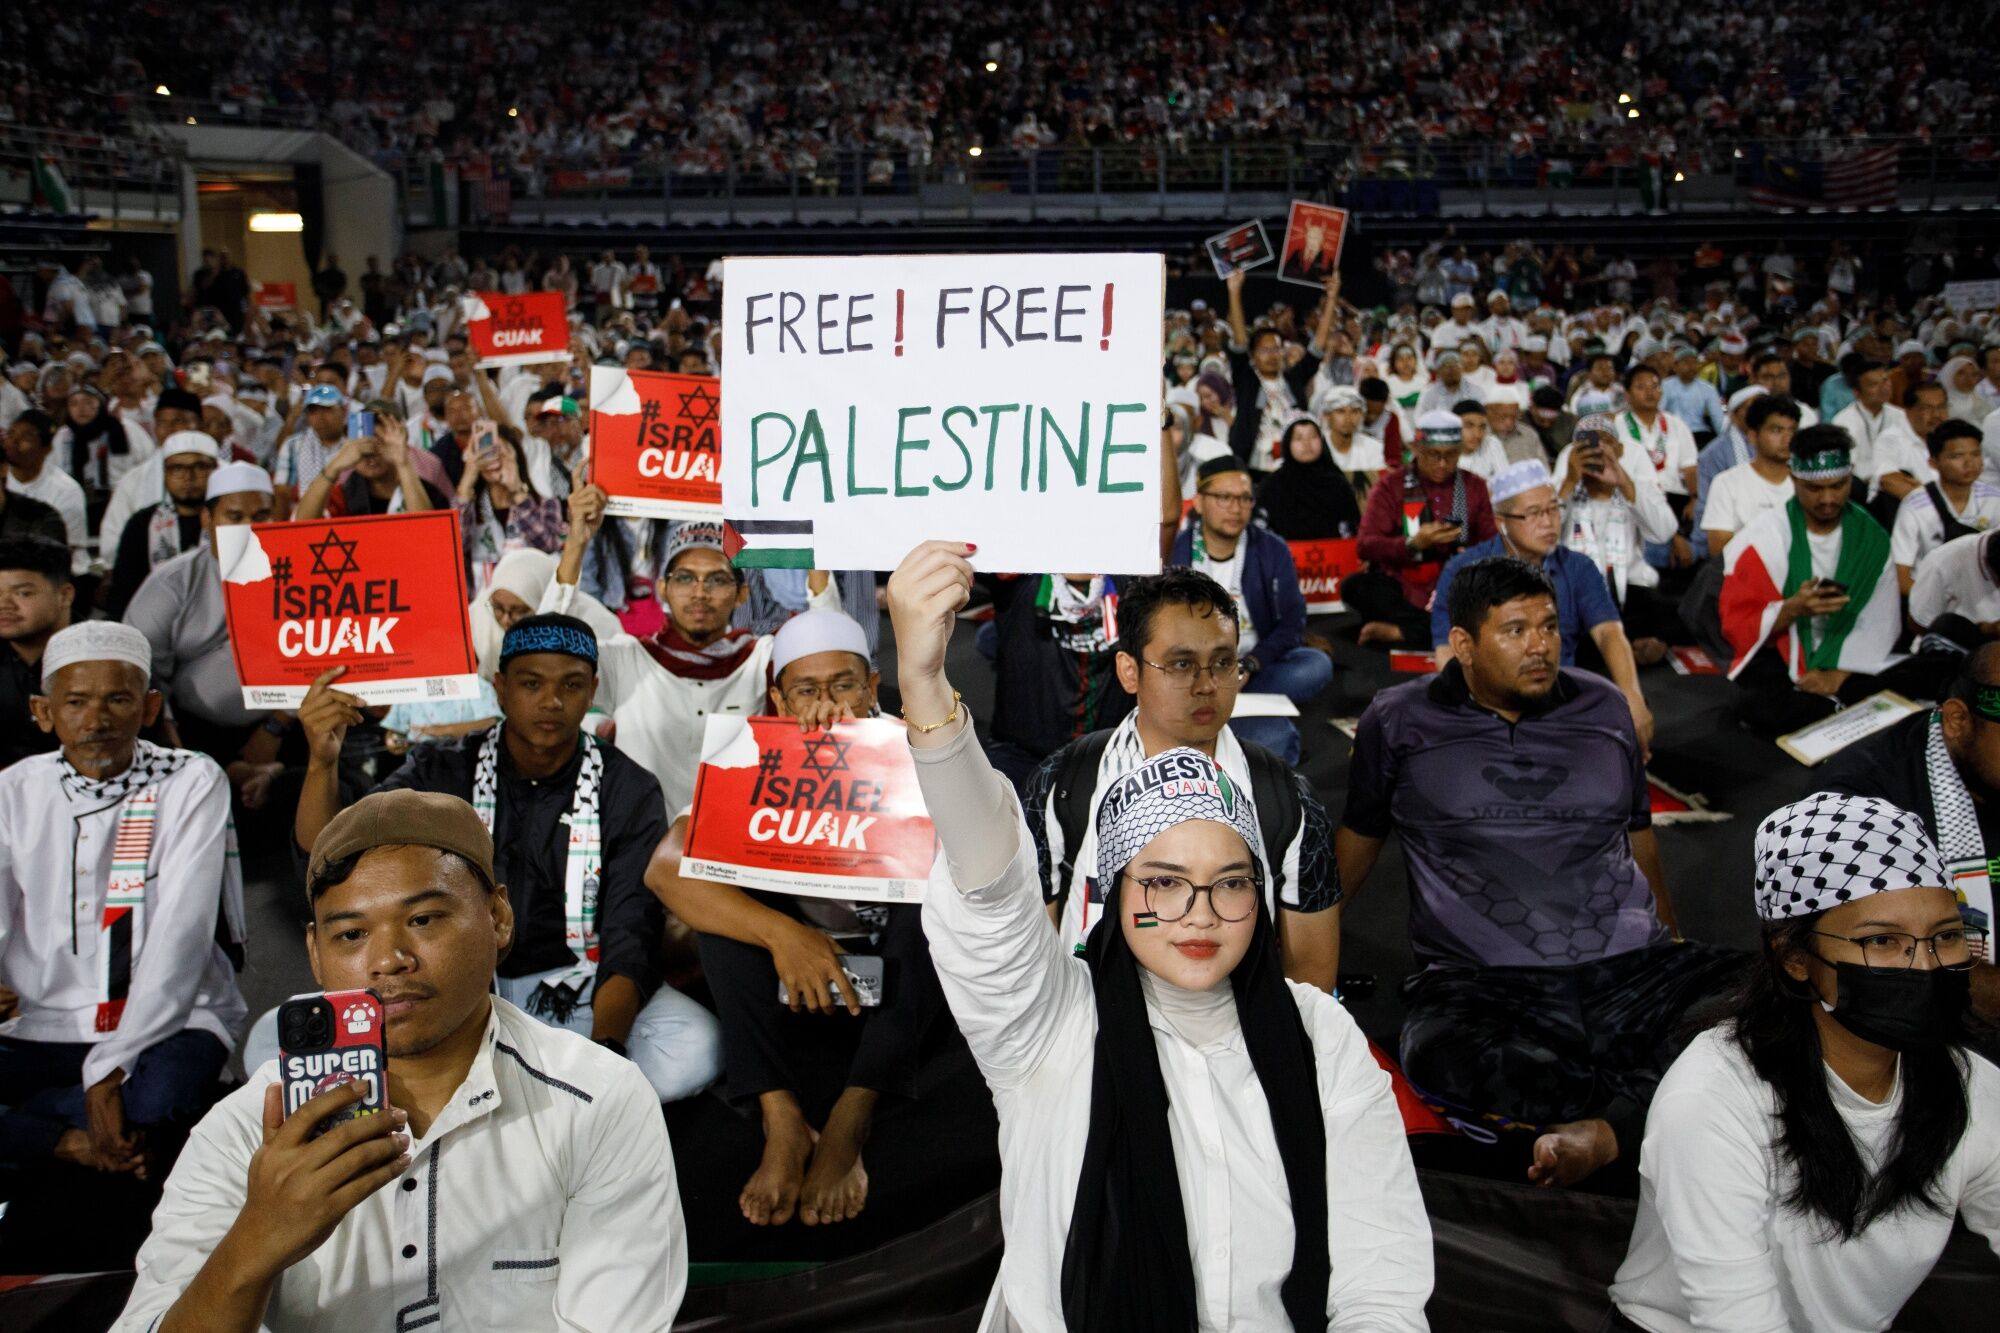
[{"x": 1904, "y": 1011}]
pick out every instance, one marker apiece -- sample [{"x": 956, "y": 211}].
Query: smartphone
[
  {"x": 360, "y": 425},
  {"x": 485, "y": 435},
  {"x": 327, "y": 1039},
  {"x": 1832, "y": 585},
  {"x": 865, "y": 972}
]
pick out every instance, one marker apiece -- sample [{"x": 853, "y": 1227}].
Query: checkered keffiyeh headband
[
  {"x": 1171, "y": 788},
  {"x": 1826, "y": 850}
]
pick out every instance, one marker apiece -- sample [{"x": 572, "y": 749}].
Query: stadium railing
[{"x": 69, "y": 172}]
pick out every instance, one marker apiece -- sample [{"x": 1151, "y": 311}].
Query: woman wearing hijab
[
  {"x": 519, "y": 580},
  {"x": 1187, "y": 1140},
  {"x": 1804, "y": 1159},
  {"x": 1960, "y": 377},
  {"x": 1309, "y": 497},
  {"x": 1407, "y": 381},
  {"x": 94, "y": 446}
]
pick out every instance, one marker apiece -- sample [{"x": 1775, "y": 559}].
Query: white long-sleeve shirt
[
  {"x": 1613, "y": 531},
  {"x": 1026, "y": 1006},
  {"x": 662, "y": 717},
  {"x": 542, "y": 1198},
  {"x": 56, "y": 841},
  {"x": 1714, "y": 1248}
]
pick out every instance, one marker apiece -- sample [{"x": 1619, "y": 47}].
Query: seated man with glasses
[
  {"x": 1554, "y": 980},
  {"x": 1943, "y": 765},
  {"x": 1178, "y": 656},
  {"x": 1256, "y": 567},
  {"x": 660, "y": 690},
  {"x": 1531, "y": 528},
  {"x": 815, "y": 1066}
]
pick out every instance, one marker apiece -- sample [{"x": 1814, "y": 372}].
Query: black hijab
[
  {"x": 1127, "y": 1266},
  {"x": 1308, "y": 501},
  {"x": 83, "y": 440}
]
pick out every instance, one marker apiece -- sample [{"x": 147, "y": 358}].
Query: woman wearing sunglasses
[
  {"x": 1188, "y": 1141},
  {"x": 1804, "y": 1159}
]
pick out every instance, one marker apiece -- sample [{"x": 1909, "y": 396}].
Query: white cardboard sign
[{"x": 1011, "y": 401}]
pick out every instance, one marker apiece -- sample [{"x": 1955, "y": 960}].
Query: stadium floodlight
[
  {"x": 1679, "y": 177},
  {"x": 277, "y": 222},
  {"x": 992, "y": 66},
  {"x": 513, "y": 111},
  {"x": 1624, "y": 98},
  {"x": 974, "y": 151},
  {"x": 1633, "y": 114},
  {"x": 191, "y": 120},
  {"x": 161, "y": 90}
]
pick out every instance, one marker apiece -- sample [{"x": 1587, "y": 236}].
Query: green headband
[
  {"x": 1826, "y": 465},
  {"x": 1985, "y": 701}
]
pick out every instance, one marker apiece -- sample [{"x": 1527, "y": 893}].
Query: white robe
[{"x": 55, "y": 863}]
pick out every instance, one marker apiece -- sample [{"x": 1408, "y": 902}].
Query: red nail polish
[{"x": 970, "y": 548}]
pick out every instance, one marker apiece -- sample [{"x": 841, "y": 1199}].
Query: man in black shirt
[
  {"x": 1943, "y": 765},
  {"x": 574, "y": 822},
  {"x": 35, "y": 595},
  {"x": 1055, "y": 669}
]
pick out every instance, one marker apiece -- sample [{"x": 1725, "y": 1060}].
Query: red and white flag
[{"x": 1755, "y": 582}]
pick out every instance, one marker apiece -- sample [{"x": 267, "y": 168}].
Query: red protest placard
[
  {"x": 833, "y": 814},
  {"x": 1322, "y": 565},
  {"x": 655, "y": 442},
  {"x": 275, "y": 295},
  {"x": 383, "y": 596},
  {"x": 1313, "y": 237},
  {"x": 517, "y": 330}
]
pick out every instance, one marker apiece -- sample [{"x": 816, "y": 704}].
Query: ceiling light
[{"x": 277, "y": 222}]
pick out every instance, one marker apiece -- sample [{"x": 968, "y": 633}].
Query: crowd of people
[
  {"x": 787, "y": 89},
  {"x": 1135, "y": 920}
]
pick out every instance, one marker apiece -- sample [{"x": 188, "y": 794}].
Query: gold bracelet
[{"x": 935, "y": 726}]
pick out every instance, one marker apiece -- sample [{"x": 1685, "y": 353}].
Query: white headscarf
[
  {"x": 527, "y": 575},
  {"x": 1968, "y": 405}
]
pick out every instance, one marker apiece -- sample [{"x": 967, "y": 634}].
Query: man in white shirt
[
  {"x": 1448, "y": 389},
  {"x": 661, "y": 690},
  {"x": 607, "y": 285},
  {"x": 1775, "y": 374},
  {"x": 1500, "y": 329},
  {"x": 1868, "y": 418},
  {"x": 1459, "y": 327},
  {"x": 118, "y": 881},
  {"x": 1955, "y": 504},
  {"x": 1765, "y": 482},
  {"x": 1957, "y": 592},
  {"x": 533, "y": 1182},
  {"x": 144, "y": 484},
  {"x": 1610, "y": 512},
  {"x": 1482, "y": 455},
  {"x": 1664, "y": 437},
  {"x": 29, "y": 442},
  {"x": 305, "y": 455},
  {"x": 1902, "y": 458}
]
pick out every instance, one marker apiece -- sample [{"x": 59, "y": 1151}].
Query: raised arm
[{"x": 1014, "y": 995}]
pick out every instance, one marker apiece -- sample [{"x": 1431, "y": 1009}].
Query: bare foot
[
  {"x": 836, "y": 1187},
  {"x": 1645, "y": 652},
  {"x": 772, "y": 1193},
  {"x": 1568, "y": 1153},
  {"x": 1379, "y": 631}
]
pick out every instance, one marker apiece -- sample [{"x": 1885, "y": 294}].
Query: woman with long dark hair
[
  {"x": 1187, "y": 1140},
  {"x": 1804, "y": 1159}
]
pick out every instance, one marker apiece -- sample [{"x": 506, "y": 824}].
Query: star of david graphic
[
  {"x": 333, "y": 557},
  {"x": 818, "y": 760},
  {"x": 698, "y": 405}
]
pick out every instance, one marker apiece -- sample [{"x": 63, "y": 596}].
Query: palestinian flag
[
  {"x": 1770, "y": 560},
  {"x": 50, "y": 188},
  {"x": 769, "y": 543}
]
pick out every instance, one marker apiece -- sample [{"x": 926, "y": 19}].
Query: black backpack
[{"x": 1274, "y": 794}]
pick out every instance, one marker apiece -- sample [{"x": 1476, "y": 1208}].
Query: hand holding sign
[
  {"x": 324, "y": 717},
  {"x": 926, "y": 593}
]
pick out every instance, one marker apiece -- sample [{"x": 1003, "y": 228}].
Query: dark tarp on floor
[{"x": 1510, "y": 1259}]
